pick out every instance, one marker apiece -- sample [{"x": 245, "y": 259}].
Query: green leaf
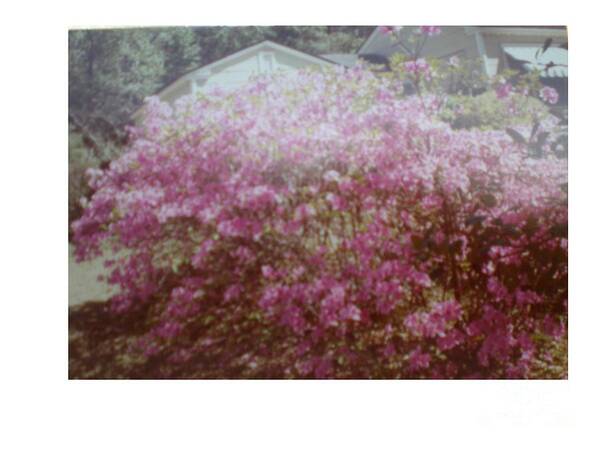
[
  {"x": 542, "y": 137},
  {"x": 547, "y": 44},
  {"x": 489, "y": 200},
  {"x": 516, "y": 136},
  {"x": 534, "y": 130},
  {"x": 456, "y": 246},
  {"x": 418, "y": 243},
  {"x": 208, "y": 319},
  {"x": 531, "y": 225},
  {"x": 560, "y": 230},
  {"x": 535, "y": 151},
  {"x": 474, "y": 220},
  {"x": 176, "y": 264},
  {"x": 559, "y": 114}
]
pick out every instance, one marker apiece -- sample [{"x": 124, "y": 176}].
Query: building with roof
[
  {"x": 498, "y": 48},
  {"x": 236, "y": 69}
]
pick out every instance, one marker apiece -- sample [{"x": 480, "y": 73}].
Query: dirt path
[{"x": 83, "y": 283}]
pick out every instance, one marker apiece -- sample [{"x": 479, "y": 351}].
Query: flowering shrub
[
  {"x": 321, "y": 225},
  {"x": 488, "y": 112}
]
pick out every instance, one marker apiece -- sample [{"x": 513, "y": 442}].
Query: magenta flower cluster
[
  {"x": 430, "y": 30},
  {"x": 549, "y": 95},
  {"x": 503, "y": 90},
  {"x": 418, "y": 68},
  {"x": 360, "y": 234},
  {"x": 390, "y": 30}
]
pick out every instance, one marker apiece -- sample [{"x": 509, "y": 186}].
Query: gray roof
[{"x": 344, "y": 59}]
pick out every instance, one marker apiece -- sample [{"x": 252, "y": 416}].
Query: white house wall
[
  {"x": 236, "y": 70},
  {"x": 232, "y": 75},
  {"x": 495, "y": 54},
  {"x": 238, "y": 73},
  {"x": 287, "y": 62}
]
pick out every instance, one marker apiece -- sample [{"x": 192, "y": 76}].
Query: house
[
  {"x": 237, "y": 68},
  {"x": 498, "y": 48}
]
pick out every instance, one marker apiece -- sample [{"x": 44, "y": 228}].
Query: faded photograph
[{"x": 340, "y": 202}]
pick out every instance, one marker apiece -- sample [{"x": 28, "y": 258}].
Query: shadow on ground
[{"x": 100, "y": 342}]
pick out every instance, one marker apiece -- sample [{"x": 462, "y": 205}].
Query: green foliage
[
  {"x": 181, "y": 50},
  {"x": 455, "y": 75},
  {"x": 461, "y": 76},
  {"x": 86, "y": 151},
  {"x": 80, "y": 158},
  {"x": 111, "y": 71},
  {"x": 488, "y": 112},
  {"x": 220, "y": 41}
]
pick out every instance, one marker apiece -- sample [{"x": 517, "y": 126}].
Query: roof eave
[
  {"x": 210, "y": 66},
  {"x": 525, "y": 31}
]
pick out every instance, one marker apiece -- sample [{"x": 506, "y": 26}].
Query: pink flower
[
  {"x": 450, "y": 340},
  {"x": 430, "y": 30},
  {"x": 337, "y": 295},
  {"x": 350, "y": 312},
  {"x": 549, "y": 95},
  {"x": 524, "y": 298},
  {"x": 203, "y": 252},
  {"x": 389, "y": 350},
  {"x": 332, "y": 175},
  {"x": 335, "y": 201},
  {"x": 552, "y": 327},
  {"x": 421, "y": 279},
  {"x": 503, "y": 90},
  {"x": 454, "y": 61},
  {"x": 169, "y": 330},
  {"x": 268, "y": 272},
  {"x": 449, "y": 310},
  {"x": 497, "y": 289},
  {"x": 417, "y": 359},
  {"x": 304, "y": 212},
  {"x": 232, "y": 228},
  {"x": 323, "y": 367},
  {"x": 181, "y": 356},
  {"x": 148, "y": 346},
  {"x": 232, "y": 292},
  {"x": 418, "y": 67},
  {"x": 390, "y": 30}
]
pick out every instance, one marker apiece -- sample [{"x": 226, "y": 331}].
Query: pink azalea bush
[{"x": 322, "y": 225}]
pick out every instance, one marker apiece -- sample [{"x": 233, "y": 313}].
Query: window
[
  {"x": 552, "y": 64},
  {"x": 266, "y": 62}
]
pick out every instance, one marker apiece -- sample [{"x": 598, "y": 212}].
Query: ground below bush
[{"x": 101, "y": 343}]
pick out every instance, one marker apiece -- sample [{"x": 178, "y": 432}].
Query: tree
[{"x": 111, "y": 71}]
